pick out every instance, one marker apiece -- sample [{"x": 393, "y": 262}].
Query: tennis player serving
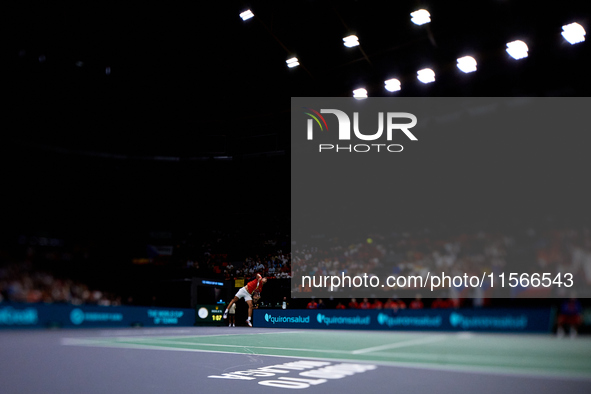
[{"x": 246, "y": 292}]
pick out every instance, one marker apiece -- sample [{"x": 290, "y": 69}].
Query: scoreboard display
[{"x": 209, "y": 315}]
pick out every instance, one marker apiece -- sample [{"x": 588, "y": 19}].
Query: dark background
[{"x": 191, "y": 127}]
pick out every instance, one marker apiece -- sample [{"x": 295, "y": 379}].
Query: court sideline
[{"x": 222, "y": 359}]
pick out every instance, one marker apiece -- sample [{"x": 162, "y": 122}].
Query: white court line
[
  {"x": 497, "y": 371},
  {"x": 110, "y": 333},
  {"x": 458, "y": 357},
  {"x": 83, "y": 341},
  {"x": 396, "y": 345},
  {"x": 136, "y": 336},
  {"x": 171, "y": 342}
]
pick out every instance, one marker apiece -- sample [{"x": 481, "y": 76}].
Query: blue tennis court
[{"x": 223, "y": 359}]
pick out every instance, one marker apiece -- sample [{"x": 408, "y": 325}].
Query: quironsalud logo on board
[
  {"x": 286, "y": 319},
  {"x": 343, "y": 320},
  {"x": 507, "y": 322},
  {"x": 10, "y": 316},
  {"x": 77, "y": 316},
  {"x": 409, "y": 321}
]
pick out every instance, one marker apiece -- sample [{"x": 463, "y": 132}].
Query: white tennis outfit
[{"x": 243, "y": 293}]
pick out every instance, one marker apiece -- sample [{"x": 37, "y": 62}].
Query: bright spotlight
[
  {"x": 467, "y": 64},
  {"x": 392, "y": 85},
  {"x": 420, "y": 17},
  {"x": 246, "y": 15},
  {"x": 426, "y": 75},
  {"x": 573, "y": 33},
  {"x": 293, "y": 62},
  {"x": 351, "y": 41},
  {"x": 517, "y": 49},
  {"x": 360, "y": 94}
]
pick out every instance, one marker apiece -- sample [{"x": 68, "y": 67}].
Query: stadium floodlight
[
  {"x": 293, "y": 62},
  {"x": 360, "y": 94},
  {"x": 392, "y": 85},
  {"x": 246, "y": 15},
  {"x": 426, "y": 75},
  {"x": 573, "y": 33},
  {"x": 467, "y": 64},
  {"x": 420, "y": 17},
  {"x": 351, "y": 41},
  {"x": 517, "y": 49}
]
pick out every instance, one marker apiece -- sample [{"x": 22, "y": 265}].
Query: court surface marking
[
  {"x": 234, "y": 360},
  {"x": 540, "y": 355}
]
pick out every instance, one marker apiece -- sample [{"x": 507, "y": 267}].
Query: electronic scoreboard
[{"x": 209, "y": 315}]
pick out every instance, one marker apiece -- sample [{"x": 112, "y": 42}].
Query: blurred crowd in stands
[
  {"x": 41, "y": 269},
  {"x": 237, "y": 254},
  {"x": 391, "y": 303},
  {"x": 277, "y": 266},
  {"x": 421, "y": 253},
  {"x": 21, "y": 282}
]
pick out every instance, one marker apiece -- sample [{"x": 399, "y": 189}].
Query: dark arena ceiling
[
  {"x": 192, "y": 80},
  {"x": 128, "y": 112}
]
